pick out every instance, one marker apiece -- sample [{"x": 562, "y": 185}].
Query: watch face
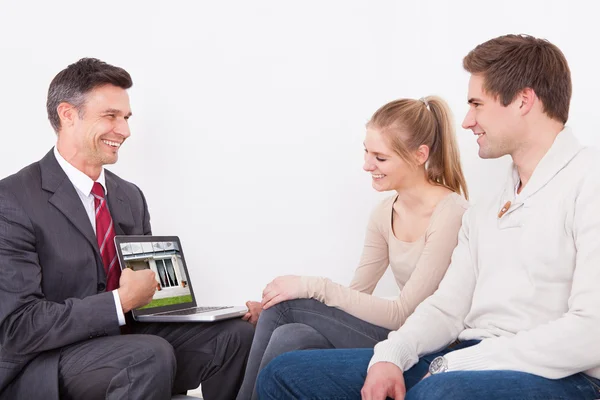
[{"x": 438, "y": 365}]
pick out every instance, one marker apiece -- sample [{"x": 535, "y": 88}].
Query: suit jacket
[{"x": 52, "y": 285}]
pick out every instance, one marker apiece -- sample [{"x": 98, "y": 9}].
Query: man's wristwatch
[{"x": 438, "y": 365}]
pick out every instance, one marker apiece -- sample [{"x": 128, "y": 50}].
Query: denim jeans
[
  {"x": 304, "y": 324},
  {"x": 340, "y": 374}
]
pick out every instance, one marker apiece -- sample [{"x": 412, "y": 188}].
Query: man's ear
[
  {"x": 422, "y": 154},
  {"x": 67, "y": 114},
  {"x": 527, "y": 99}
]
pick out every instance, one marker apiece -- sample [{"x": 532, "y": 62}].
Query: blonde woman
[{"x": 411, "y": 149}]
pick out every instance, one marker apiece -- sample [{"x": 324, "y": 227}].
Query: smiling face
[
  {"x": 496, "y": 126},
  {"x": 91, "y": 137},
  {"x": 388, "y": 170}
]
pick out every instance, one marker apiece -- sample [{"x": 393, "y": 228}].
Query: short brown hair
[
  {"x": 72, "y": 84},
  {"x": 512, "y": 63}
]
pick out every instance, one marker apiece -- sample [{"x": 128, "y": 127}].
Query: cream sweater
[
  {"x": 527, "y": 284},
  {"x": 418, "y": 267}
]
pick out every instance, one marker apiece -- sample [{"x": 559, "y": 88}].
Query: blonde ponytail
[{"x": 443, "y": 166}]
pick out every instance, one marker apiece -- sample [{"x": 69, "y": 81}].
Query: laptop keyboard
[{"x": 192, "y": 311}]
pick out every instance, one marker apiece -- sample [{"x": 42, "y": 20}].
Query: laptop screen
[{"x": 164, "y": 256}]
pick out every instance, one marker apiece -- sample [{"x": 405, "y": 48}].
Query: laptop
[{"x": 175, "y": 300}]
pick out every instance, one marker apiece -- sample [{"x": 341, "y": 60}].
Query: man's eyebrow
[
  {"x": 474, "y": 100},
  {"x": 115, "y": 111}
]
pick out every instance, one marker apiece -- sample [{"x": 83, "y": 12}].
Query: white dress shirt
[{"x": 83, "y": 186}]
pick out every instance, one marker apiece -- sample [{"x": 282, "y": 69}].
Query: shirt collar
[
  {"x": 81, "y": 181},
  {"x": 563, "y": 150}
]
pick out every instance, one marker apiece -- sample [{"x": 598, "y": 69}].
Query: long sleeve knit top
[{"x": 417, "y": 266}]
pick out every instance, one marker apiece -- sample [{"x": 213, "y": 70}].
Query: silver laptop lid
[{"x": 163, "y": 255}]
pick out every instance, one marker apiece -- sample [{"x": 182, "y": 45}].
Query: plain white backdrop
[{"x": 249, "y": 116}]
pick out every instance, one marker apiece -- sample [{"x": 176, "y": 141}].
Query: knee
[
  {"x": 159, "y": 355},
  {"x": 272, "y": 313},
  {"x": 283, "y": 339},
  {"x": 300, "y": 303},
  {"x": 284, "y": 306},
  {"x": 286, "y": 333},
  {"x": 240, "y": 333},
  {"x": 296, "y": 336},
  {"x": 275, "y": 313}
]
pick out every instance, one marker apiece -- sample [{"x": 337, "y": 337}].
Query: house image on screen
[{"x": 164, "y": 258}]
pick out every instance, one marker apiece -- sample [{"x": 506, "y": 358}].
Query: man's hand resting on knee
[
  {"x": 384, "y": 380},
  {"x": 254, "y": 310},
  {"x": 136, "y": 288}
]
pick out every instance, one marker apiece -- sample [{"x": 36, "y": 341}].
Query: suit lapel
[
  {"x": 65, "y": 198},
  {"x": 120, "y": 210}
]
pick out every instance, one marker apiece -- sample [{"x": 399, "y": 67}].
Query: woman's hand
[{"x": 281, "y": 289}]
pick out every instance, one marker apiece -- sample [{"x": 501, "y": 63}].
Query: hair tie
[{"x": 424, "y": 101}]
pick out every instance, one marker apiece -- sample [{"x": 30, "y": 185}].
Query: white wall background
[{"x": 249, "y": 115}]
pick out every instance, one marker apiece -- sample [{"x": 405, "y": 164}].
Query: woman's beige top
[{"x": 418, "y": 266}]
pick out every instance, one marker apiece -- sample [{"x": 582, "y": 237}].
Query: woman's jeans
[{"x": 304, "y": 324}]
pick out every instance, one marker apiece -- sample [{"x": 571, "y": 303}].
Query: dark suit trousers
[{"x": 158, "y": 359}]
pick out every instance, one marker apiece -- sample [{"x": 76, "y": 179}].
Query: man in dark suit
[{"x": 62, "y": 303}]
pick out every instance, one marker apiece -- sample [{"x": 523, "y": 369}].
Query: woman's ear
[{"x": 422, "y": 154}]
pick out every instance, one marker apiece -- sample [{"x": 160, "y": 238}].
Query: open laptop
[{"x": 175, "y": 300}]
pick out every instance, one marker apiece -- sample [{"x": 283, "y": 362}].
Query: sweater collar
[{"x": 563, "y": 150}]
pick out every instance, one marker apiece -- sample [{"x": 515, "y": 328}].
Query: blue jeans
[
  {"x": 340, "y": 374},
  {"x": 304, "y": 324}
]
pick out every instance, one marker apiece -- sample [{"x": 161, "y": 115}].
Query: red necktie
[{"x": 105, "y": 233}]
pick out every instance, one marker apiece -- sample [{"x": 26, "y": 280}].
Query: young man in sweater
[{"x": 517, "y": 315}]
